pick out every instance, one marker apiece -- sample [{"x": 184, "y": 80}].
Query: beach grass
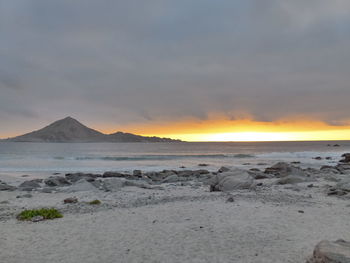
[
  {"x": 95, "y": 202},
  {"x": 46, "y": 213}
]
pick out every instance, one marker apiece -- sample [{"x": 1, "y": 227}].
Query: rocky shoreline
[{"x": 281, "y": 185}]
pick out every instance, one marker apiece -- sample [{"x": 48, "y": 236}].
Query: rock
[
  {"x": 328, "y": 158},
  {"x": 75, "y": 177},
  {"x": 24, "y": 196},
  {"x": 319, "y": 158},
  {"x": 293, "y": 179},
  {"x": 113, "y": 174},
  {"x": 203, "y": 164},
  {"x": 331, "y": 252},
  {"x": 25, "y": 175},
  {"x": 112, "y": 184},
  {"x": 223, "y": 169},
  {"x": 329, "y": 169},
  {"x": 29, "y": 185},
  {"x": 258, "y": 175},
  {"x": 229, "y": 181},
  {"x": 336, "y": 145},
  {"x": 344, "y": 185},
  {"x": 5, "y": 187},
  {"x": 172, "y": 179},
  {"x": 56, "y": 181},
  {"x": 343, "y": 168},
  {"x": 70, "y": 200},
  {"x": 337, "y": 192},
  {"x": 37, "y": 219},
  {"x": 137, "y": 173},
  {"x": 230, "y": 199},
  {"x": 48, "y": 190},
  {"x": 81, "y": 185},
  {"x": 282, "y": 169},
  {"x": 346, "y": 158}
]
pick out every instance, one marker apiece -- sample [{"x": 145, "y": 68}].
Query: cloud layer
[{"x": 127, "y": 62}]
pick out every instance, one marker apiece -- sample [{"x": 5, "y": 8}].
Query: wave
[
  {"x": 155, "y": 157},
  {"x": 242, "y": 155}
]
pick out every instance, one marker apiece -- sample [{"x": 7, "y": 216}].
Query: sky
[{"x": 188, "y": 69}]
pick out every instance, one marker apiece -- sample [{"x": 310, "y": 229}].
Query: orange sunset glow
[{"x": 241, "y": 130}]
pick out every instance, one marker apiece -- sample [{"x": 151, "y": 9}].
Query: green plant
[
  {"x": 95, "y": 202},
  {"x": 46, "y": 213}
]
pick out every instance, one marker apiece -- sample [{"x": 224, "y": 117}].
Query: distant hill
[{"x": 71, "y": 130}]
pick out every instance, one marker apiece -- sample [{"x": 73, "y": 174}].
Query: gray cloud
[{"x": 141, "y": 61}]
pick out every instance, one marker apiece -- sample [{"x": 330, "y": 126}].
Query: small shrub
[
  {"x": 95, "y": 202},
  {"x": 46, "y": 213}
]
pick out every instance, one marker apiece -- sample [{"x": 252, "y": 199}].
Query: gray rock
[
  {"x": 343, "y": 167},
  {"x": 344, "y": 185},
  {"x": 293, "y": 179},
  {"x": 29, "y": 185},
  {"x": 229, "y": 181},
  {"x": 346, "y": 158},
  {"x": 37, "y": 219},
  {"x": 24, "y": 196},
  {"x": 5, "y": 187},
  {"x": 112, "y": 184},
  {"x": 172, "y": 179},
  {"x": 258, "y": 175},
  {"x": 113, "y": 174},
  {"x": 331, "y": 252},
  {"x": 137, "y": 173},
  {"x": 282, "y": 169},
  {"x": 56, "y": 181},
  {"x": 81, "y": 185},
  {"x": 223, "y": 169},
  {"x": 70, "y": 200},
  {"x": 75, "y": 177},
  {"x": 48, "y": 190}
]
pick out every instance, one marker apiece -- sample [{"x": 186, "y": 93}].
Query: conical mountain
[
  {"x": 65, "y": 130},
  {"x": 71, "y": 130}
]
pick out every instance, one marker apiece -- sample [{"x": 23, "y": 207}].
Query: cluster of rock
[
  {"x": 109, "y": 181},
  {"x": 225, "y": 179}
]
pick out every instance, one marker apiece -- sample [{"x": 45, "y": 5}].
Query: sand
[{"x": 178, "y": 224}]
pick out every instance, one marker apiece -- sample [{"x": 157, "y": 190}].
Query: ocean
[{"x": 44, "y": 159}]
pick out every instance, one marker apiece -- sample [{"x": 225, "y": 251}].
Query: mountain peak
[{"x": 71, "y": 130}]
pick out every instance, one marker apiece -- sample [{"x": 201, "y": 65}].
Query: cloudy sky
[{"x": 117, "y": 64}]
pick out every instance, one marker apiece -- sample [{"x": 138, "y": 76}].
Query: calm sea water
[{"x": 48, "y": 158}]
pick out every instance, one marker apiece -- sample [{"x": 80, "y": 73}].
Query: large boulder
[
  {"x": 5, "y": 187},
  {"x": 232, "y": 180},
  {"x": 29, "y": 185},
  {"x": 81, "y": 185},
  {"x": 282, "y": 169},
  {"x": 346, "y": 158},
  {"x": 331, "y": 252},
  {"x": 112, "y": 184},
  {"x": 55, "y": 181}
]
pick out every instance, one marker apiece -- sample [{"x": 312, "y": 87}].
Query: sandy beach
[{"x": 180, "y": 221}]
